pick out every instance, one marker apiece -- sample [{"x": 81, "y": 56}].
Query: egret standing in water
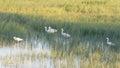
[
  {"x": 46, "y": 29},
  {"x": 66, "y": 35},
  {"x": 108, "y": 42},
  {"x": 18, "y": 39},
  {"x": 50, "y": 30}
]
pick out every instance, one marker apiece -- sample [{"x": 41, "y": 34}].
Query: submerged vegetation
[{"x": 88, "y": 22}]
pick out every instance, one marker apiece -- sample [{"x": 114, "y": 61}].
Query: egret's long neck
[
  {"x": 61, "y": 31},
  {"x": 46, "y": 29},
  {"x": 107, "y": 40}
]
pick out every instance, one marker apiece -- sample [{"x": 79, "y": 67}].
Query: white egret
[
  {"x": 17, "y": 39},
  {"x": 108, "y": 42},
  {"x": 66, "y": 35},
  {"x": 46, "y": 29},
  {"x": 50, "y": 30}
]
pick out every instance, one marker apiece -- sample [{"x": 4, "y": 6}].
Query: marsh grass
[
  {"x": 83, "y": 55},
  {"x": 88, "y": 22}
]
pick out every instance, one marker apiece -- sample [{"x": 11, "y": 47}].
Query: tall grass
[
  {"x": 27, "y": 26},
  {"x": 87, "y": 21}
]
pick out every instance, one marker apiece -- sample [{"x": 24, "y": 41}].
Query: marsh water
[
  {"x": 35, "y": 56},
  {"x": 52, "y": 53}
]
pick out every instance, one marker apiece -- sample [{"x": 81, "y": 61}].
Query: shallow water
[
  {"x": 37, "y": 56},
  {"x": 40, "y": 54},
  {"x": 23, "y": 58}
]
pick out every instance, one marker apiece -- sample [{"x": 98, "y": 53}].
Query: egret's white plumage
[
  {"x": 64, "y": 34},
  {"x": 108, "y": 42},
  {"x": 50, "y": 30},
  {"x": 17, "y": 39},
  {"x": 46, "y": 29}
]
